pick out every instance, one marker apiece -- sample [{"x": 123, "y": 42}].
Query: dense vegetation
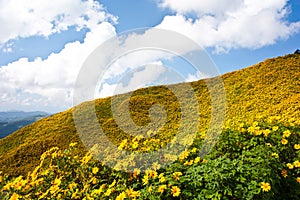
[
  {"x": 257, "y": 161},
  {"x": 256, "y": 157}
]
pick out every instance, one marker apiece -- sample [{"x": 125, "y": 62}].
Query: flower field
[
  {"x": 260, "y": 160},
  {"x": 256, "y": 156}
]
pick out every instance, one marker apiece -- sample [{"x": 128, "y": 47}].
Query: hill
[
  {"x": 13, "y": 120},
  {"x": 269, "y": 88}
]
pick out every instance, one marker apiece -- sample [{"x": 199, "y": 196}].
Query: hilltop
[{"x": 269, "y": 88}]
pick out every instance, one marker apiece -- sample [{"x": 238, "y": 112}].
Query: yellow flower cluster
[
  {"x": 64, "y": 175},
  {"x": 266, "y": 187}
]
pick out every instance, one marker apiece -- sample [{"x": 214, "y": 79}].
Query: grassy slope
[{"x": 271, "y": 87}]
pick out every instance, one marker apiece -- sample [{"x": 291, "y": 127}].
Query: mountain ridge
[{"x": 11, "y": 121}]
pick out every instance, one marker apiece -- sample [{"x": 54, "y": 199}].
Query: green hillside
[
  {"x": 256, "y": 156},
  {"x": 269, "y": 88}
]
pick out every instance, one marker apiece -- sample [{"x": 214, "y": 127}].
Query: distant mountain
[{"x": 14, "y": 120}]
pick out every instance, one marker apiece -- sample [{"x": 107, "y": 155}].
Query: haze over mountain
[{"x": 11, "y": 121}]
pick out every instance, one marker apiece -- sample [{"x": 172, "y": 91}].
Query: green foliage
[{"x": 245, "y": 164}]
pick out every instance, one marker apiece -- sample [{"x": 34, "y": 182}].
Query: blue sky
[{"x": 43, "y": 45}]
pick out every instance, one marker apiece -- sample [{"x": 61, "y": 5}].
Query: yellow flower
[
  {"x": 19, "y": 183},
  {"x": 290, "y": 166},
  {"x": 108, "y": 192},
  {"x": 72, "y": 185},
  {"x": 258, "y": 131},
  {"x": 37, "y": 182},
  {"x": 96, "y": 192},
  {"x": 100, "y": 190},
  {"x": 7, "y": 186},
  {"x": 122, "y": 144},
  {"x": 298, "y": 179},
  {"x": 54, "y": 188},
  {"x": 57, "y": 181},
  {"x": 175, "y": 191},
  {"x": 286, "y": 134},
  {"x": 152, "y": 174},
  {"x": 251, "y": 129},
  {"x": 14, "y": 196},
  {"x": 194, "y": 150},
  {"x": 46, "y": 172},
  {"x": 297, "y": 146},
  {"x": 255, "y": 123},
  {"x": 93, "y": 180},
  {"x": 121, "y": 196},
  {"x": 145, "y": 180},
  {"x": 197, "y": 160},
  {"x": 95, "y": 170},
  {"x": 112, "y": 184},
  {"x": 132, "y": 194},
  {"x": 136, "y": 172},
  {"x": 269, "y": 144},
  {"x": 74, "y": 195},
  {"x": 161, "y": 178},
  {"x": 284, "y": 141},
  {"x": 190, "y": 162},
  {"x": 284, "y": 173},
  {"x": 265, "y": 186},
  {"x": 33, "y": 175},
  {"x": 86, "y": 159},
  {"x": 297, "y": 163},
  {"x": 266, "y": 132},
  {"x": 184, "y": 155},
  {"x": 73, "y": 144},
  {"x": 150, "y": 189},
  {"x": 162, "y": 188},
  {"x": 135, "y": 144},
  {"x": 86, "y": 187},
  {"x": 54, "y": 154},
  {"x": 176, "y": 175},
  {"x": 275, "y": 128},
  {"x": 275, "y": 155}
]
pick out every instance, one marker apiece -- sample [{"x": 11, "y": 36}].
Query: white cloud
[
  {"x": 230, "y": 24},
  {"x": 130, "y": 61},
  {"x": 20, "y": 19},
  {"x": 139, "y": 79},
  {"x": 197, "y": 76},
  {"x": 200, "y": 7},
  {"x": 48, "y": 84}
]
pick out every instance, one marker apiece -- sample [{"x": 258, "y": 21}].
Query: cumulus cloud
[
  {"x": 197, "y": 76},
  {"x": 48, "y": 84},
  {"x": 20, "y": 19},
  {"x": 229, "y": 24},
  {"x": 201, "y": 7},
  {"x": 137, "y": 77},
  {"x": 123, "y": 54}
]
